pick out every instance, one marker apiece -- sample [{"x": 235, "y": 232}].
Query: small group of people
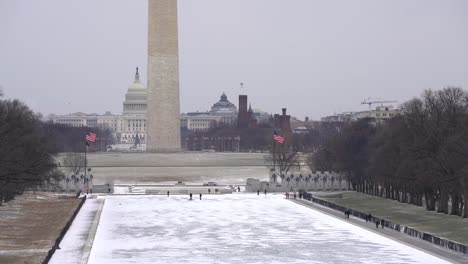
[
  {"x": 369, "y": 218},
  {"x": 381, "y": 222},
  {"x": 191, "y": 195},
  {"x": 258, "y": 192},
  {"x": 347, "y": 213},
  {"x": 377, "y": 221},
  {"x": 294, "y": 195}
]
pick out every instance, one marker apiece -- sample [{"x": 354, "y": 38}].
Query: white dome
[
  {"x": 135, "y": 98},
  {"x": 136, "y": 85}
]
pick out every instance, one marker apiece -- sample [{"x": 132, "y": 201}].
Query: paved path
[
  {"x": 77, "y": 243},
  {"x": 392, "y": 234}
]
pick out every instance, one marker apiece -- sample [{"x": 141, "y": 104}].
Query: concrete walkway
[
  {"x": 76, "y": 245},
  {"x": 392, "y": 234}
]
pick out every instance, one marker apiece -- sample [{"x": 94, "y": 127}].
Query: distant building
[
  {"x": 300, "y": 130},
  {"x": 243, "y": 116},
  {"x": 202, "y": 122},
  {"x": 342, "y": 117},
  {"x": 125, "y": 127},
  {"x": 74, "y": 120},
  {"x": 380, "y": 114},
  {"x": 262, "y": 117},
  {"x": 133, "y": 121},
  {"x": 246, "y": 117},
  {"x": 282, "y": 122},
  {"x": 226, "y": 110},
  {"x": 309, "y": 124}
]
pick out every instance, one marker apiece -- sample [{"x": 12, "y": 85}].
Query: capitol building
[{"x": 130, "y": 127}]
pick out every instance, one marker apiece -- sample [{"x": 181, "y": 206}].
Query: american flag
[
  {"x": 91, "y": 137},
  {"x": 278, "y": 138}
]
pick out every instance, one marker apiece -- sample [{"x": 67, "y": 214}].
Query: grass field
[
  {"x": 447, "y": 226},
  {"x": 194, "y": 168},
  {"x": 31, "y": 224}
]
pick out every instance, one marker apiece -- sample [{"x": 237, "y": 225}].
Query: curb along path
[{"x": 77, "y": 243}]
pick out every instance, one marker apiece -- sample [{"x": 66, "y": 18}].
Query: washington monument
[{"x": 163, "y": 131}]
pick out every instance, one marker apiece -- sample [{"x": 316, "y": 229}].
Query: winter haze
[{"x": 313, "y": 57}]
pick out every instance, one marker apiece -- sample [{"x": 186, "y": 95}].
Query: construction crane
[{"x": 370, "y": 102}]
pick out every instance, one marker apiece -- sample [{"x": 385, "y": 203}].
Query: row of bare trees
[
  {"x": 419, "y": 157},
  {"x": 71, "y": 139}
]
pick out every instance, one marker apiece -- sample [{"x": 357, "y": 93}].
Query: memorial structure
[{"x": 163, "y": 132}]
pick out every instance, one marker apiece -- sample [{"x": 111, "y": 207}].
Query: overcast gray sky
[{"x": 314, "y": 57}]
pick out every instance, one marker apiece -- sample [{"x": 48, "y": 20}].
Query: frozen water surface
[{"x": 235, "y": 229}]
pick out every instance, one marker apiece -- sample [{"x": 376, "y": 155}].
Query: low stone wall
[
  {"x": 455, "y": 246},
  {"x": 63, "y": 232},
  {"x": 312, "y": 182}
]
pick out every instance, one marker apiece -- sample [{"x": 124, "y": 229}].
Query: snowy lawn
[{"x": 235, "y": 228}]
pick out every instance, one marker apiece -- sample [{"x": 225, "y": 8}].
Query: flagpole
[
  {"x": 86, "y": 161},
  {"x": 274, "y": 158}
]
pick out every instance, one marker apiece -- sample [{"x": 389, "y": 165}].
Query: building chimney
[{"x": 284, "y": 111}]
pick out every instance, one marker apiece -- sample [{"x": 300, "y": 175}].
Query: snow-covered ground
[{"x": 238, "y": 228}]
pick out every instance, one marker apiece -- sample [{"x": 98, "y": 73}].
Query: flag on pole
[
  {"x": 90, "y": 137},
  {"x": 278, "y": 138}
]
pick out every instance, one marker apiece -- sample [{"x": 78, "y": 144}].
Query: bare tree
[
  {"x": 74, "y": 163},
  {"x": 24, "y": 158},
  {"x": 282, "y": 158},
  {"x": 421, "y": 154}
]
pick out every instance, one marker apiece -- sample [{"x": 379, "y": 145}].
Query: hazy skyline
[{"x": 313, "y": 57}]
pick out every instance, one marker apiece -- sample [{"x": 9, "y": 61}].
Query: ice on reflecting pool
[{"x": 235, "y": 229}]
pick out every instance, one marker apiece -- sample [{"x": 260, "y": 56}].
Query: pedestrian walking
[
  {"x": 209, "y": 191},
  {"x": 369, "y": 216},
  {"x": 167, "y": 193},
  {"x": 377, "y": 221},
  {"x": 265, "y": 191},
  {"x": 287, "y": 195},
  {"x": 200, "y": 196},
  {"x": 238, "y": 188},
  {"x": 190, "y": 196},
  {"x": 382, "y": 223},
  {"x": 258, "y": 192},
  {"x": 294, "y": 196}
]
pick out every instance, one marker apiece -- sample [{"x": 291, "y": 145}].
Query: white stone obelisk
[{"x": 163, "y": 131}]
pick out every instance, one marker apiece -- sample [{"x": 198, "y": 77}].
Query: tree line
[
  {"x": 28, "y": 148},
  {"x": 72, "y": 139},
  {"x": 25, "y": 157},
  {"x": 418, "y": 157}
]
